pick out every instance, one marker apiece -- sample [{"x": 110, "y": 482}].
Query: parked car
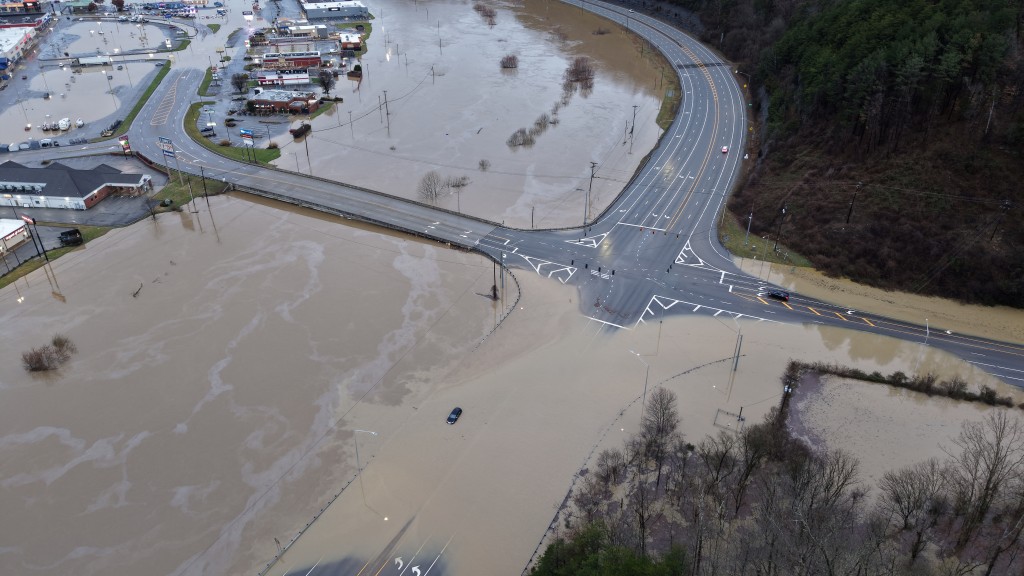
[
  {"x": 778, "y": 294},
  {"x": 454, "y": 416},
  {"x": 71, "y": 237}
]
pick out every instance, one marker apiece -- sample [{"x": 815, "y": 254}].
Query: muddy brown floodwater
[
  {"x": 218, "y": 396},
  {"x": 451, "y": 107},
  {"x": 238, "y": 365},
  {"x": 218, "y": 410}
]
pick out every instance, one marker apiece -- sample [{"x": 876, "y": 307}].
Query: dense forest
[
  {"x": 760, "y": 502},
  {"x": 889, "y": 137}
]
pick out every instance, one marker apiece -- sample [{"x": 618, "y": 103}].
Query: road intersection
[{"x": 655, "y": 248}]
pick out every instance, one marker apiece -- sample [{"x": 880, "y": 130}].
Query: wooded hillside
[{"x": 891, "y": 131}]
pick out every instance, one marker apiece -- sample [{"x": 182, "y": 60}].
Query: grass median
[{"x": 221, "y": 144}]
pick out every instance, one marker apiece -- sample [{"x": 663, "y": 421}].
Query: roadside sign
[
  {"x": 247, "y": 136},
  {"x": 167, "y": 146},
  {"x": 28, "y": 219}
]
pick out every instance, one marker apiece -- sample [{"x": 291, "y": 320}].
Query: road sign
[
  {"x": 167, "y": 146},
  {"x": 247, "y": 136}
]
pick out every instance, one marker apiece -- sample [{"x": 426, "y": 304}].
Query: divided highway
[{"x": 653, "y": 252}]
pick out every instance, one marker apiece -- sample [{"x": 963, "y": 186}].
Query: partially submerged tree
[
  {"x": 240, "y": 82},
  {"x": 327, "y": 80},
  {"x": 431, "y": 186}
]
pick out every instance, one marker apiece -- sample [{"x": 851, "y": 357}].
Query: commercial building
[
  {"x": 24, "y": 8},
  {"x": 277, "y": 101},
  {"x": 350, "y": 41},
  {"x": 282, "y": 77},
  {"x": 14, "y": 42},
  {"x": 315, "y": 31},
  {"x": 12, "y": 234},
  {"x": 350, "y": 9},
  {"x": 290, "y": 60},
  {"x": 59, "y": 186}
]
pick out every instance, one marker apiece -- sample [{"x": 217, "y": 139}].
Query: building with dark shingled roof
[{"x": 60, "y": 186}]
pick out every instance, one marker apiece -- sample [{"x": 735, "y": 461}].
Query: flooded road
[
  {"x": 218, "y": 400},
  {"x": 237, "y": 366},
  {"x": 210, "y": 418},
  {"x": 451, "y": 107}
]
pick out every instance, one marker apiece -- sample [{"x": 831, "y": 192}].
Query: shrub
[
  {"x": 520, "y": 138},
  {"x": 225, "y": 142},
  {"x": 955, "y": 388},
  {"x": 484, "y": 165},
  {"x": 510, "y": 61},
  {"x": 50, "y": 356},
  {"x": 988, "y": 395},
  {"x": 272, "y": 146}
]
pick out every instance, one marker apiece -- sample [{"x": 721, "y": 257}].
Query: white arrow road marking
[{"x": 398, "y": 561}]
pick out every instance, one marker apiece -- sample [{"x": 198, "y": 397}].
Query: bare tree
[
  {"x": 431, "y": 186},
  {"x": 589, "y": 498},
  {"x": 718, "y": 456},
  {"x": 915, "y": 497},
  {"x": 753, "y": 448},
  {"x": 660, "y": 425},
  {"x": 987, "y": 455},
  {"x": 611, "y": 466},
  {"x": 327, "y": 80},
  {"x": 240, "y": 82}
]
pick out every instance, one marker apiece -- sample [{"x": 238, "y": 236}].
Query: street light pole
[
  {"x": 110, "y": 89},
  {"x": 359, "y": 471}
]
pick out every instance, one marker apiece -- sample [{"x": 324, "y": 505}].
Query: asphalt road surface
[{"x": 654, "y": 252}]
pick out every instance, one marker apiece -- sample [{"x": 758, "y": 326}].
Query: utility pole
[
  {"x": 749, "y": 220},
  {"x": 631, "y": 127},
  {"x": 387, "y": 112},
  {"x": 310, "y": 164},
  {"x": 776, "y": 248},
  {"x": 206, "y": 195},
  {"x": 586, "y": 201},
  {"x": 850, "y": 212},
  {"x": 351, "y": 130}
]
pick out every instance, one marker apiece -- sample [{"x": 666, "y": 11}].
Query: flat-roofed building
[
  {"x": 276, "y": 101},
  {"x": 282, "y": 77},
  {"x": 348, "y": 9}
]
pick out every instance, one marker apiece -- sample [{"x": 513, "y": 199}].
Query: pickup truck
[{"x": 71, "y": 237}]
